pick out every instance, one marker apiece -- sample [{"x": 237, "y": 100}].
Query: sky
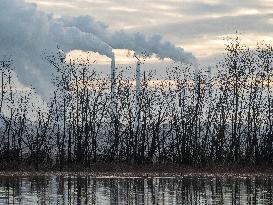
[
  {"x": 199, "y": 26},
  {"x": 182, "y": 30}
]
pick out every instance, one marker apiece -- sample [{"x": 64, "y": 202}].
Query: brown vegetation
[{"x": 193, "y": 121}]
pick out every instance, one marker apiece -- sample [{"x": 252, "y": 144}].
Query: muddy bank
[{"x": 120, "y": 170}]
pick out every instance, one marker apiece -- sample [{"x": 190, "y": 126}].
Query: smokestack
[
  {"x": 209, "y": 81},
  {"x": 196, "y": 74},
  {"x": 196, "y": 79},
  {"x": 61, "y": 55},
  {"x": 138, "y": 92},
  {"x": 113, "y": 85},
  {"x": 138, "y": 79},
  {"x": 209, "y": 75}
]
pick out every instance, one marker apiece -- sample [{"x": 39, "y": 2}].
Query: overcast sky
[
  {"x": 198, "y": 26},
  {"x": 181, "y": 30}
]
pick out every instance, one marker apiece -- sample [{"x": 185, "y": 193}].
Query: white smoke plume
[
  {"x": 26, "y": 31},
  {"x": 137, "y": 42}
]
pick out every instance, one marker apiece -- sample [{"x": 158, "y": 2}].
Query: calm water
[{"x": 90, "y": 190}]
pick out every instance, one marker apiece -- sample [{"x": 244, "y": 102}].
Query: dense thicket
[{"x": 185, "y": 118}]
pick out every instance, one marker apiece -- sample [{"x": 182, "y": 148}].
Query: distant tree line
[{"x": 185, "y": 118}]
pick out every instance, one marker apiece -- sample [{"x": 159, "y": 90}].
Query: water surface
[{"x": 66, "y": 190}]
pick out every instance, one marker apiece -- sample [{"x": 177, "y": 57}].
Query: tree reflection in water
[{"x": 70, "y": 190}]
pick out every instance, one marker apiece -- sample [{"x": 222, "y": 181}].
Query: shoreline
[
  {"x": 130, "y": 175},
  {"x": 125, "y": 171}
]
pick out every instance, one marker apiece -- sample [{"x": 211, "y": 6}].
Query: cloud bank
[{"x": 198, "y": 26}]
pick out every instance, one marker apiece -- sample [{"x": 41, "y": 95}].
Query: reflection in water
[{"x": 89, "y": 190}]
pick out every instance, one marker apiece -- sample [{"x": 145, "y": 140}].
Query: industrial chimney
[
  {"x": 138, "y": 92},
  {"x": 209, "y": 81},
  {"x": 196, "y": 79},
  {"x": 209, "y": 75},
  {"x": 113, "y": 86}
]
